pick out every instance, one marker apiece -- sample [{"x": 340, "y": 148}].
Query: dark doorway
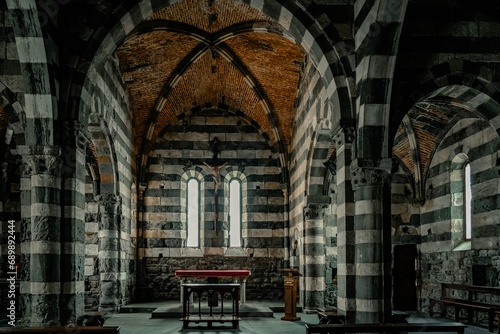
[{"x": 405, "y": 275}]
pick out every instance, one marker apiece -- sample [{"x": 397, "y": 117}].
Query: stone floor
[{"x": 141, "y": 322}]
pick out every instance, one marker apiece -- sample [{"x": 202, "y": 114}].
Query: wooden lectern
[{"x": 291, "y": 277}]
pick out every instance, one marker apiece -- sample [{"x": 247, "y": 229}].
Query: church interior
[{"x": 353, "y": 141}]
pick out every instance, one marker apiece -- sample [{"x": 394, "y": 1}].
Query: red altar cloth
[{"x": 212, "y": 273}]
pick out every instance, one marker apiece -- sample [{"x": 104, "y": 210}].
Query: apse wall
[
  {"x": 178, "y": 156},
  {"x": 442, "y": 260}
]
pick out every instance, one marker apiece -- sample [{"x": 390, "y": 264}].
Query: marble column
[
  {"x": 109, "y": 253},
  {"x": 343, "y": 138},
  {"x": 73, "y": 173},
  {"x": 367, "y": 178},
  {"x": 314, "y": 253}
]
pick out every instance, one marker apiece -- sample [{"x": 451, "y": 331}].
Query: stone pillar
[
  {"x": 73, "y": 224},
  {"x": 343, "y": 139},
  {"x": 314, "y": 254},
  {"x": 42, "y": 167},
  {"x": 109, "y": 253},
  {"x": 367, "y": 178}
]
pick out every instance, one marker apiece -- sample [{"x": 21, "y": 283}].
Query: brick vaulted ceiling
[
  {"x": 421, "y": 131},
  {"x": 199, "y": 52}
]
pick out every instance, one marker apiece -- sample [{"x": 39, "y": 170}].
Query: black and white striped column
[
  {"x": 109, "y": 253},
  {"x": 73, "y": 224},
  {"x": 44, "y": 166},
  {"x": 367, "y": 178},
  {"x": 343, "y": 139},
  {"x": 314, "y": 254}
]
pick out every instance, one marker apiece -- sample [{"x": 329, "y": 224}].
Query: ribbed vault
[
  {"x": 421, "y": 131},
  {"x": 201, "y": 52}
]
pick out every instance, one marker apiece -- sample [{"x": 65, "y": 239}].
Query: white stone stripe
[
  {"x": 109, "y": 234},
  {"x": 369, "y": 269},
  {"x": 311, "y": 259},
  {"x": 43, "y": 209},
  {"x": 31, "y": 49},
  {"x": 346, "y": 303},
  {"x": 344, "y": 269},
  {"x": 368, "y": 236},
  {"x": 45, "y": 288},
  {"x": 38, "y": 105},
  {"x": 105, "y": 254},
  {"x": 314, "y": 283},
  {"x": 317, "y": 239},
  {"x": 369, "y": 305},
  {"x": 45, "y": 247},
  {"x": 368, "y": 207},
  {"x": 72, "y": 287},
  {"x": 77, "y": 248}
]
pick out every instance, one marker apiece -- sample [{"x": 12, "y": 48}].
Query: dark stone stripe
[
  {"x": 365, "y": 287},
  {"x": 39, "y": 264}
]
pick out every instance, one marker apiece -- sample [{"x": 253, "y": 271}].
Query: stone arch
[
  {"x": 472, "y": 82},
  {"x": 35, "y": 63},
  {"x": 330, "y": 59},
  {"x": 317, "y": 155},
  {"x": 109, "y": 210},
  {"x": 378, "y": 22}
]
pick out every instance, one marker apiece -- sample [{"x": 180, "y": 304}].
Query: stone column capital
[
  {"x": 75, "y": 135},
  {"x": 314, "y": 211},
  {"x": 40, "y": 160},
  {"x": 369, "y": 172},
  {"x": 110, "y": 202}
]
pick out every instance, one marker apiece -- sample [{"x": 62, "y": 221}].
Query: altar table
[{"x": 236, "y": 274}]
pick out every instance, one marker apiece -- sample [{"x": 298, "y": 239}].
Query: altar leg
[
  {"x": 243, "y": 292},
  {"x": 182, "y": 282}
]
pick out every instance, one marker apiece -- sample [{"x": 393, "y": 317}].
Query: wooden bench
[
  {"x": 212, "y": 291},
  {"x": 386, "y": 328},
  {"x": 469, "y": 304},
  {"x": 63, "y": 330}
]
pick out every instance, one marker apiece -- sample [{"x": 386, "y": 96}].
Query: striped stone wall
[
  {"x": 442, "y": 213},
  {"x": 104, "y": 100},
  {"x": 179, "y": 155}
]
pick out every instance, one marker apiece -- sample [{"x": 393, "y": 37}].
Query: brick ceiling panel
[
  {"x": 211, "y": 80},
  {"x": 210, "y": 15},
  {"x": 276, "y": 63},
  {"x": 147, "y": 61}
]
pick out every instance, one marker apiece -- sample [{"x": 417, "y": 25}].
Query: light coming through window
[
  {"x": 234, "y": 213},
  {"x": 468, "y": 203},
  {"x": 193, "y": 213}
]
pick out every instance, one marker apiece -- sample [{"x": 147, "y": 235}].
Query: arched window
[
  {"x": 234, "y": 213},
  {"x": 467, "y": 202},
  {"x": 193, "y": 213}
]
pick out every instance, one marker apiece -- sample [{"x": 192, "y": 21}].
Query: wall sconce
[{"x": 294, "y": 247}]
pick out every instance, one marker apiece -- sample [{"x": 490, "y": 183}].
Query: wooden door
[{"x": 405, "y": 275}]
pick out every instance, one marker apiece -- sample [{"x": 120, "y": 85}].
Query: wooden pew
[
  {"x": 62, "y": 330},
  {"x": 469, "y": 304},
  {"x": 455, "y": 327}
]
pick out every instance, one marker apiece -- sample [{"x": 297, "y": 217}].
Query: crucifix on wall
[{"x": 214, "y": 145}]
